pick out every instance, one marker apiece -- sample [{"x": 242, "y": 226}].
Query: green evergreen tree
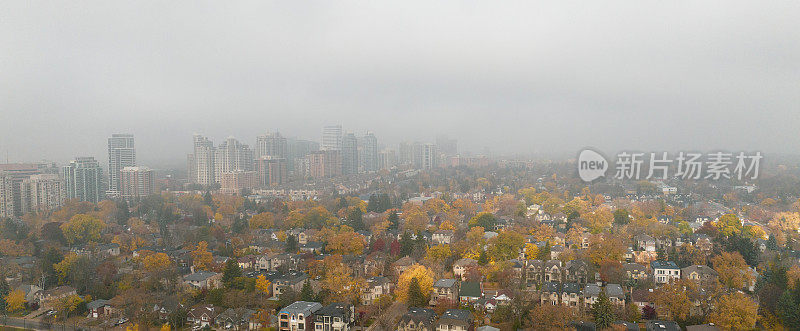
[
  {"x": 788, "y": 310},
  {"x": 356, "y": 219},
  {"x": 603, "y": 312},
  {"x": 307, "y": 293},
  {"x": 406, "y": 244},
  {"x": 231, "y": 272},
  {"x": 621, "y": 216},
  {"x": 123, "y": 213},
  {"x": 291, "y": 244},
  {"x": 544, "y": 253},
  {"x": 208, "y": 199},
  {"x": 372, "y": 204},
  {"x": 482, "y": 258},
  {"x": 415, "y": 296},
  {"x": 393, "y": 219}
]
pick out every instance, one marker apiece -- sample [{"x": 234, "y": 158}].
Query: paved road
[{"x": 33, "y": 325}]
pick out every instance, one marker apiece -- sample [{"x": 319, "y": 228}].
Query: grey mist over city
[
  {"x": 399, "y": 165},
  {"x": 518, "y": 79}
]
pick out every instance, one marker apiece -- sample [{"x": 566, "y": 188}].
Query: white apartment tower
[
  {"x": 42, "y": 192},
  {"x": 201, "y": 162},
  {"x": 136, "y": 182},
  {"x": 6, "y": 195},
  {"x": 121, "y": 154},
  {"x": 271, "y": 144},
  {"x": 83, "y": 179},
  {"x": 332, "y": 138},
  {"x": 232, "y": 155}
]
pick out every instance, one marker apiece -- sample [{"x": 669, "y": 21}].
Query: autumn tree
[
  {"x": 732, "y": 269},
  {"x": 786, "y": 221},
  {"x": 82, "y": 228},
  {"x": 599, "y": 219},
  {"x": 423, "y": 276},
  {"x": 263, "y": 220},
  {"x": 674, "y": 299},
  {"x": 201, "y": 257},
  {"x": 346, "y": 241},
  {"x": 505, "y": 246},
  {"x": 438, "y": 254},
  {"x": 15, "y": 301},
  {"x": 263, "y": 285},
  {"x": 728, "y": 225},
  {"x": 156, "y": 262},
  {"x": 735, "y": 311}
]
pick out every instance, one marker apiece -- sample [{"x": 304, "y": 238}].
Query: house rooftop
[{"x": 663, "y": 265}]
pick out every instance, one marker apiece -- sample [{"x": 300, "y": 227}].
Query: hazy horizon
[{"x": 519, "y": 78}]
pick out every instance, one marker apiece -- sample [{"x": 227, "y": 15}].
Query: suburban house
[
  {"x": 442, "y": 237},
  {"x": 203, "y": 279},
  {"x": 376, "y": 287},
  {"x": 98, "y": 308},
  {"x": 665, "y": 271},
  {"x": 461, "y": 266},
  {"x": 417, "y": 319},
  {"x": 444, "y": 290},
  {"x": 201, "y": 316},
  {"x": 470, "y": 292},
  {"x": 297, "y": 316},
  {"x": 701, "y": 274},
  {"x": 335, "y": 317},
  {"x": 455, "y": 320},
  {"x": 234, "y": 319}
]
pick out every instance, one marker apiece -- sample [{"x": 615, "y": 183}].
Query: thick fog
[{"x": 511, "y": 77}]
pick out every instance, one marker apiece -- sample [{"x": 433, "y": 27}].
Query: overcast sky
[{"x": 521, "y": 77}]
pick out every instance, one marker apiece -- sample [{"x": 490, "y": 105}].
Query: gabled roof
[
  {"x": 614, "y": 291},
  {"x": 445, "y": 283},
  {"x": 470, "y": 289},
  {"x": 424, "y": 315},
  {"x": 199, "y": 276},
  {"x": 663, "y": 265}
]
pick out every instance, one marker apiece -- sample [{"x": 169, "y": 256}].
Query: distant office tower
[
  {"x": 387, "y": 159},
  {"x": 83, "y": 179},
  {"x": 234, "y": 182},
  {"x": 349, "y": 154},
  {"x": 418, "y": 155},
  {"x": 446, "y": 145},
  {"x": 271, "y": 144},
  {"x": 6, "y": 195},
  {"x": 272, "y": 171},
  {"x": 121, "y": 154},
  {"x": 232, "y": 155},
  {"x": 41, "y": 193},
  {"x": 369, "y": 153},
  {"x": 332, "y": 138},
  {"x": 137, "y": 182},
  {"x": 430, "y": 156},
  {"x": 324, "y": 164}
]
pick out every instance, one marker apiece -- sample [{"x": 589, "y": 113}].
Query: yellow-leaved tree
[
  {"x": 202, "y": 257},
  {"x": 423, "y": 276},
  {"x": 735, "y": 311},
  {"x": 15, "y": 300},
  {"x": 82, "y": 228}
]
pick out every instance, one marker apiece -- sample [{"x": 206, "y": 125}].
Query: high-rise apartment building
[
  {"x": 16, "y": 173},
  {"x": 271, "y": 144},
  {"x": 41, "y": 192},
  {"x": 324, "y": 164},
  {"x": 387, "y": 159},
  {"x": 201, "y": 161},
  {"x": 6, "y": 195},
  {"x": 332, "y": 137},
  {"x": 369, "y": 153},
  {"x": 349, "y": 154},
  {"x": 232, "y": 155},
  {"x": 83, "y": 180},
  {"x": 234, "y": 182},
  {"x": 430, "y": 156},
  {"x": 121, "y": 154},
  {"x": 272, "y": 171},
  {"x": 137, "y": 182}
]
